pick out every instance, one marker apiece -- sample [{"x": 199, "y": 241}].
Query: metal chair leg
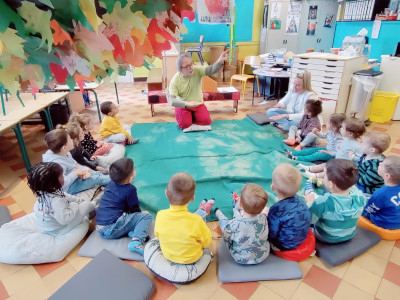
[{"x": 116, "y": 92}]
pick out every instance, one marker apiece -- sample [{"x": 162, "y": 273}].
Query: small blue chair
[{"x": 197, "y": 50}]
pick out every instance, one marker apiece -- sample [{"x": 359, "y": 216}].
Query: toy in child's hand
[
  {"x": 104, "y": 149},
  {"x": 235, "y": 197}
]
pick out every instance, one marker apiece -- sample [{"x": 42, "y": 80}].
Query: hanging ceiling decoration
[{"x": 67, "y": 42}]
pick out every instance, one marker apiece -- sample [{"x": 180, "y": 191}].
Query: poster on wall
[
  {"x": 294, "y": 7},
  {"x": 275, "y": 24},
  {"x": 328, "y": 20},
  {"x": 292, "y": 24},
  {"x": 215, "y": 11},
  {"x": 275, "y": 11},
  {"x": 311, "y": 28},
  {"x": 312, "y": 12}
]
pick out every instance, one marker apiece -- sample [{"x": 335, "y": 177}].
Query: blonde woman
[{"x": 290, "y": 109}]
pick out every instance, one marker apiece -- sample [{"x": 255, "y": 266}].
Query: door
[{"x": 320, "y": 15}]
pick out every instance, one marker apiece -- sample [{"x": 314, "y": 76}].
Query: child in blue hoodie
[{"x": 77, "y": 178}]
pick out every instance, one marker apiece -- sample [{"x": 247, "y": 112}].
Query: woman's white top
[{"x": 294, "y": 103}]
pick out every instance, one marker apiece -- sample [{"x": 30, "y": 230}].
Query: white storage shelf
[{"x": 330, "y": 78}]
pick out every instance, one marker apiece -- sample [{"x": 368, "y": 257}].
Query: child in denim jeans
[{"x": 119, "y": 213}]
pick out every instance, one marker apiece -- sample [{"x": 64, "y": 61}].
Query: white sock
[
  {"x": 196, "y": 127},
  {"x": 219, "y": 214},
  {"x": 308, "y": 174},
  {"x": 303, "y": 167}
]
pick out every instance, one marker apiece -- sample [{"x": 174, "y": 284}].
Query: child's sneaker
[
  {"x": 218, "y": 213},
  {"x": 207, "y": 204},
  {"x": 136, "y": 246},
  {"x": 302, "y": 167},
  {"x": 290, "y": 155}
]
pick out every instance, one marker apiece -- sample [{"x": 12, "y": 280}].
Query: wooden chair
[
  {"x": 197, "y": 50},
  {"x": 249, "y": 60}
]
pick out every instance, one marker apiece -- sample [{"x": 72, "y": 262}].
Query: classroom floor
[{"x": 373, "y": 275}]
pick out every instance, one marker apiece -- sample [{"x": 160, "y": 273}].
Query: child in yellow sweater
[
  {"x": 111, "y": 129},
  {"x": 179, "y": 252}
]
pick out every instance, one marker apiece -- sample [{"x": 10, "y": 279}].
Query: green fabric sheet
[{"x": 233, "y": 153}]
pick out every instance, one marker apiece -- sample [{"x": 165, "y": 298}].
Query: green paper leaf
[
  {"x": 109, "y": 4},
  {"x": 67, "y": 10},
  {"x": 70, "y": 81},
  {"x": 39, "y": 56},
  {"x": 37, "y": 21},
  {"x": 8, "y": 16},
  {"x": 151, "y": 7},
  {"x": 13, "y": 42}
]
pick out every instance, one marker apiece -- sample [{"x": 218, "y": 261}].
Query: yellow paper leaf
[
  {"x": 1, "y": 47},
  {"x": 124, "y": 20},
  {"x": 37, "y": 21},
  {"x": 13, "y": 43},
  {"x": 89, "y": 10}
]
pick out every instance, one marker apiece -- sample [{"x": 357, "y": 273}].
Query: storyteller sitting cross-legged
[
  {"x": 186, "y": 96},
  {"x": 290, "y": 109}
]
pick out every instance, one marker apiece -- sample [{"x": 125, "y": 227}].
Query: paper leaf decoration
[
  {"x": 37, "y": 21},
  {"x": 69, "y": 42}
]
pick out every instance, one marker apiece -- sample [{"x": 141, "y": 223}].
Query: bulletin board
[{"x": 220, "y": 32}]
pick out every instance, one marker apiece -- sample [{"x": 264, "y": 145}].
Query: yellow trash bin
[{"x": 383, "y": 106}]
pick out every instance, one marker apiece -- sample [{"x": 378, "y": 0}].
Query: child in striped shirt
[
  {"x": 334, "y": 215},
  {"x": 372, "y": 147}
]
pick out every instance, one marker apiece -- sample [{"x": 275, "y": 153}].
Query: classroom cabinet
[
  {"x": 330, "y": 78},
  {"x": 277, "y": 35}
]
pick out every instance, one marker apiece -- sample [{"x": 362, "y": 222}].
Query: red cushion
[{"x": 302, "y": 252}]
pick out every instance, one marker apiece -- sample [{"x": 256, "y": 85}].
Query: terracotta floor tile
[
  {"x": 40, "y": 149},
  {"x": 163, "y": 289},
  {"x": 17, "y": 166},
  {"x": 376, "y": 128},
  {"x": 11, "y": 157},
  {"x": 18, "y": 215},
  {"x": 7, "y": 201},
  {"x": 3, "y": 292},
  {"x": 241, "y": 291},
  {"x": 392, "y": 273},
  {"x": 322, "y": 281},
  {"x": 397, "y": 244},
  {"x": 395, "y": 151},
  {"x": 44, "y": 269}
]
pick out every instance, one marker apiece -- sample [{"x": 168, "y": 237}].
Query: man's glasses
[{"x": 188, "y": 66}]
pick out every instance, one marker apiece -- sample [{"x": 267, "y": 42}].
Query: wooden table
[{"x": 15, "y": 117}]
